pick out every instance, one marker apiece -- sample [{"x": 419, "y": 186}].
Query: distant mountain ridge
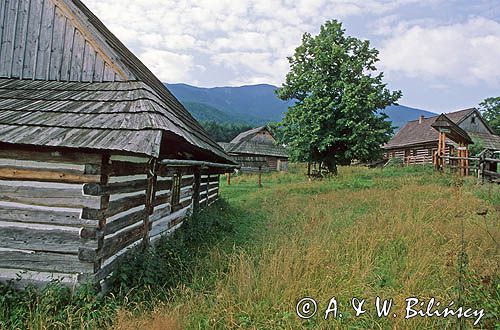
[{"x": 256, "y": 105}]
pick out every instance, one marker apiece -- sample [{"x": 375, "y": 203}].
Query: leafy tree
[
  {"x": 335, "y": 118},
  {"x": 490, "y": 109}
]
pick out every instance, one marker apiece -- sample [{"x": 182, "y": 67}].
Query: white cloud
[
  {"x": 171, "y": 67},
  {"x": 467, "y": 52}
]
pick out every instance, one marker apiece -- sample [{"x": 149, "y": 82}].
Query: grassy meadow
[
  {"x": 394, "y": 233},
  {"x": 246, "y": 262}
]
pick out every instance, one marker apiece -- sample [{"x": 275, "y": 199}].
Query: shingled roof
[
  {"x": 243, "y": 144},
  {"x": 68, "y": 81},
  {"x": 417, "y": 133}
]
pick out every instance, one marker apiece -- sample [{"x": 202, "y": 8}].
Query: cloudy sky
[{"x": 443, "y": 54}]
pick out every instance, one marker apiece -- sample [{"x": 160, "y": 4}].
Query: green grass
[{"x": 245, "y": 262}]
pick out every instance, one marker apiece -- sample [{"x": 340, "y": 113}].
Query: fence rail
[{"x": 484, "y": 166}]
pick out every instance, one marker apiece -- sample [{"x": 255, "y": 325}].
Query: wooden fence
[
  {"x": 485, "y": 167},
  {"x": 71, "y": 217}
]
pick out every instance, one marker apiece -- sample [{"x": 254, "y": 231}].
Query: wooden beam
[
  {"x": 33, "y": 174},
  {"x": 196, "y": 191}
]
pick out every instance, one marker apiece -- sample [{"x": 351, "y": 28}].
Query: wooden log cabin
[
  {"x": 96, "y": 155},
  {"x": 417, "y": 141},
  {"x": 257, "y": 148}
]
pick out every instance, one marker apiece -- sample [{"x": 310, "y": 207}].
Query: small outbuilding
[
  {"x": 257, "y": 148},
  {"x": 96, "y": 155}
]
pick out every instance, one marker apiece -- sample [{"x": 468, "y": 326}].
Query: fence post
[
  {"x": 481, "y": 167},
  {"x": 149, "y": 205},
  {"x": 196, "y": 190},
  {"x": 260, "y": 176}
]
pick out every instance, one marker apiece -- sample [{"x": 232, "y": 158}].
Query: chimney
[{"x": 421, "y": 119}]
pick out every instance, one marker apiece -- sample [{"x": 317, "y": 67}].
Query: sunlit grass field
[{"x": 393, "y": 233}]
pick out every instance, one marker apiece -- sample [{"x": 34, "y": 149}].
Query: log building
[
  {"x": 96, "y": 155},
  {"x": 257, "y": 148},
  {"x": 417, "y": 141}
]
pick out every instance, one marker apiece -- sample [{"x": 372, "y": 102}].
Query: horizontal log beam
[
  {"x": 492, "y": 174},
  {"x": 41, "y": 240},
  {"x": 44, "y": 261},
  {"x": 120, "y": 241},
  {"x": 52, "y": 157},
  {"x": 46, "y": 196},
  {"x": 33, "y": 174},
  {"x": 121, "y": 168},
  {"x": 44, "y": 216},
  {"x": 96, "y": 189},
  {"x": 123, "y": 222}
]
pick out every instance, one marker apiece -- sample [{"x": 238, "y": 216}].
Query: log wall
[
  {"x": 73, "y": 216},
  {"x": 42, "y": 228}
]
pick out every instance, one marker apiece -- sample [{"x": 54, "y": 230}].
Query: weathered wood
[
  {"x": 43, "y": 261},
  {"x": 161, "y": 225},
  {"x": 13, "y": 236},
  {"x": 34, "y": 174},
  {"x": 120, "y": 241},
  {"x": 44, "y": 216},
  {"x": 492, "y": 174},
  {"x": 36, "y": 278},
  {"x": 149, "y": 202},
  {"x": 95, "y": 189},
  {"x": 51, "y": 156},
  {"x": 162, "y": 199},
  {"x": 196, "y": 191},
  {"x": 123, "y": 222},
  {"x": 50, "y": 195},
  {"x": 163, "y": 185},
  {"x": 122, "y": 168},
  {"x": 213, "y": 185},
  {"x": 182, "y": 204},
  {"x": 124, "y": 204}
]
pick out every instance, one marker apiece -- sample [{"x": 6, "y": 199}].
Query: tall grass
[
  {"x": 389, "y": 233},
  {"x": 393, "y": 233}
]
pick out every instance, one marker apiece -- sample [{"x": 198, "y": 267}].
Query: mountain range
[{"x": 256, "y": 105}]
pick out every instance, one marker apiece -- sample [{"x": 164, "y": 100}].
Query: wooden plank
[
  {"x": 25, "y": 278},
  {"x": 14, "y": 236},
  {"x": 51, "y": 156},
  {"x": 43, "y": 261},
  {"x": 162, "y": 199},
  {"x": 49, "y": 216},
  {"x": 121, "y": 168},
  {"x": 45, "y": 175},
  {"x": 196, "y": 191},
  {"x": 160, "y": 226},
  {"x": 95, "y": 189},
  {"x": 492, "y": 174},
  {"x": 120, "y": 241},
  {"x": 124, "y": 204},
  {"x": 54, "y": 195},
  {"x": 123, "y": 222}
]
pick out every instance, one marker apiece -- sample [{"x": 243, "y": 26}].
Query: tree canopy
[
  {"x": 338, "y": 92},
  {"x": 490, "y": 109}
]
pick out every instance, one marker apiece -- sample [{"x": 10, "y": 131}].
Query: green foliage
[
  {"x": 490, "y": 109},
  {"x": 53, "y": 307},
  {"x": 173, "y": 259},
  {"x": 224, "y": 132},
  {"x": 335, "y": 117},
  {"x": 476, "y": 148}
]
